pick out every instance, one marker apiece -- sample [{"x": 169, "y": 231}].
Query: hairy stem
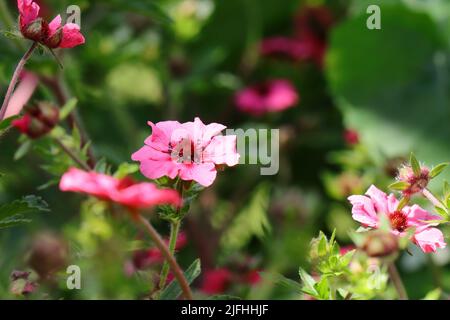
[
  {"x": 15, "y": 78},
  {"x": 178, "y": 273},
  {"x": 397, "y": 281},
  {"x": 430, "y": 196},
  {"x": 72, "y": 155}
]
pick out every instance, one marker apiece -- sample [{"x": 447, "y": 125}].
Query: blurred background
[{"x": 365, "y": 100}]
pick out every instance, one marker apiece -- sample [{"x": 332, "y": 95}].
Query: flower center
[
  {"x": 184, "y": 152},
  {"x": 399, "y": 221}
]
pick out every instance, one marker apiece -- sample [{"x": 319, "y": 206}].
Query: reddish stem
[{"x": 15, "y": 78}]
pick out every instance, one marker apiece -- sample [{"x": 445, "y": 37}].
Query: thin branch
[
  {"x": 72, "y": 155},
  {"x": 15, "y": 78},
  {"x": 397, "y": 281}
]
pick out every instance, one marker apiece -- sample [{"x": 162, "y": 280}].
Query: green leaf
[
  {"x": 13, "y": 35},
  {"x": 308, "y": 283},
  {"x": 173, "y": 290},
  {"x": 438, "y": 170},
  {"x": 11, "y": 214},
  {"x": 433, "y": 295},
  {"x": 68, "y": 108},
  {"x": 6, "y": 124},
  {"x": 146, "y": 8},
  {"x": 323, "y": 289},
  {"x": 400, "y": 103},
  {"x": 251, "y": 221},
  {"x": 283, "y": 281},
  {"x": 415, "y": 165},
  {"x": 399, "y": 186},
  {"x": 23, "y": 150}
]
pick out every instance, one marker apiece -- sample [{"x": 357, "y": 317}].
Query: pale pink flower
[
  {"x": 191, "y": 151},
  {"x": 367, "y": 211},
  {"x": 122, "y": 191},
  {"x": 22, "y": 94},
  {"x": 53, "y": 34},
  {"x": 272, "y": 96}
]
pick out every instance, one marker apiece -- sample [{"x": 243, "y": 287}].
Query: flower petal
[
  {"x": 72, "y": 36},
  {"x": 429, "y": 239}
]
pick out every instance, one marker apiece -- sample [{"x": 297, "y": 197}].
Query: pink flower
[
  {"x": 367, "y": 211},
  {"x": 53, "y": 34},
  {"x": 284, "y": 47},
  {"x": 216, "y": 281},
  {"x": 312, "y": 27},
  {"x": 272, "y": 96},
  {"x": 123, "y": 191},
  {"x": 351, "y": 137},
  {"x": 190, "y": 150},
  {"x": 142, "y": 259},
  {"x": 22, "y": 94}
]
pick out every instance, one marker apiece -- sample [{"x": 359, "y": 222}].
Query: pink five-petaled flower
[
  {"x": 190, "y": 150},
  {"x": 53, "y": 34},
  {"x": 122, "y": 191},
  {"x": 271, "y": 96},
  {"x": 367, "y": 211}
]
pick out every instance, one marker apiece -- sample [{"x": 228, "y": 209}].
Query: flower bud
[
  {"x": 55, "y": 40},
  {"x": 48, "y": 114},
  {"x": 37, "y": 30},
  {"x": 416, "y": 182},
  {"x": 48, "y": 254},
  {"x": 380, "y": 244}
]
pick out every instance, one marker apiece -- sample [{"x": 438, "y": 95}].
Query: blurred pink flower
[
  {"x": 142, "y": 259},
  {"x": 351, "y": 136},
  {"x": 122, "y": 191},
  {"x": 53, "y": 34},
  {"x": 190, "y": 150},
  {"x": 313, "y": 25},
  {"x": 25, "y": 89},
  {"x": 216, "y": 281},
  {"x": 271, "y": 96},
  {"x": 284, "y": 47},
  {"x": 367, "y": 211}
]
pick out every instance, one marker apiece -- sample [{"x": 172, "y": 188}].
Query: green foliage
[
  {"x": 251, "y": 221},
  {"x": 401, "y": 108},
  {"x": 13, "y": 214},
  {"x": 173, "y": 290}
]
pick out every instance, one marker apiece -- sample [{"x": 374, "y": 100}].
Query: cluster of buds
[
  {"x": 22, "y": 284},
  {"x": 38, "y": 120}
]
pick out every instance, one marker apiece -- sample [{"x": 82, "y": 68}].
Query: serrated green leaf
[
  {"x": 308, "y": 283},
  {"x": 173, "y": 290},
  {"x": 11, "y": 214},
  {"x": 438, "y": 170},
  {"x": 251, "y": 221}
]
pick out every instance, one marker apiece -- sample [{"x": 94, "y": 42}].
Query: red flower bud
[
  {"x": 37, "y": 30},
  {"x": 380, "y": 244}
]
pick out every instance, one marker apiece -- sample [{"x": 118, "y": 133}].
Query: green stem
[
  {"x": 178, "y": 273},
  {"x": 174, "y": 230},
  {"x": 397, "y": 281}
]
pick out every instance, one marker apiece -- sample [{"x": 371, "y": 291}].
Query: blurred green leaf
[
  {"x": 251, "y": 221},
  {"x": 173, "y": 290}
]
